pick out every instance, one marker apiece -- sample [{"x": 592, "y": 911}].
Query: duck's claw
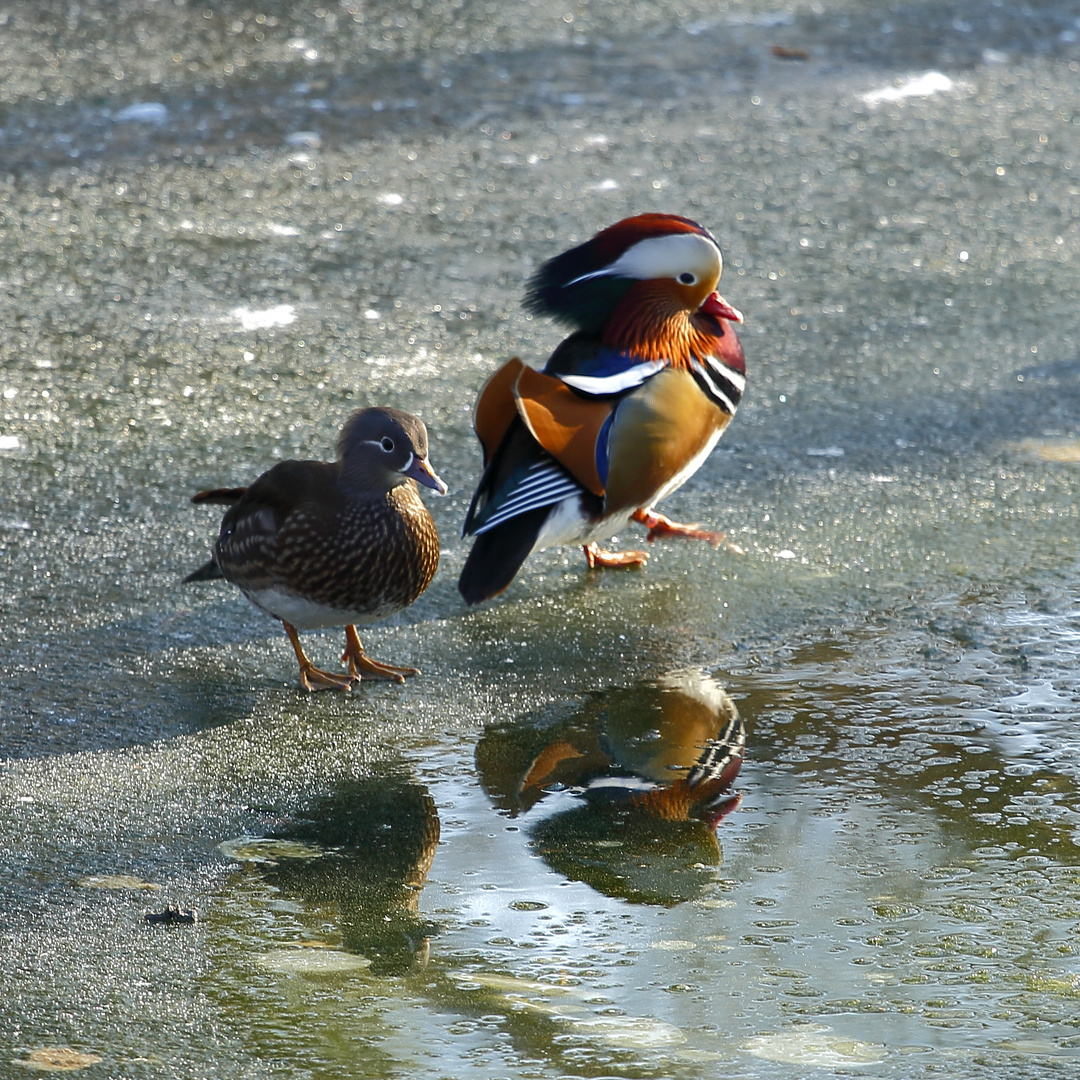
[
  {"x": 313, "y": 679},
  {"x": 663, "y": 528}
]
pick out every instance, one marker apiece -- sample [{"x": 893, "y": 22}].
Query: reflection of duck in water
[
  {"x": 367, "y": 848},
  {"x": 633, "y": 783}
]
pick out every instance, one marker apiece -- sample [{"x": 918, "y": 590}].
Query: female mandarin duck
[
  {"x": 319, "y": 544},
  {"x": 625, "y": 411}
]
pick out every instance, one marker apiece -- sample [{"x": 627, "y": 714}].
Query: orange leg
[
  {"x": 311, "y": 678},
  {"x": 597, "y": 557},
  {"x": 359, "y": 661},
  {"x": 662, "y": 528}
]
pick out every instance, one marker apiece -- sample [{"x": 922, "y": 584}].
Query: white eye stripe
[
  {"x": 381, "y": 444},
  {"x": 664, "y": 256},
  {"x": 588, "y": 277}
]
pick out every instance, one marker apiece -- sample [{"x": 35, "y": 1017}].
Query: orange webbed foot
[
  {"x": 312, "y": 678},
  {"x": 361, "y": 665},
  {"x": 607, "y": 560}
]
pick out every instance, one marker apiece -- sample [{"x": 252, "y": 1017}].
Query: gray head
[{"x": 381, "y": 448}]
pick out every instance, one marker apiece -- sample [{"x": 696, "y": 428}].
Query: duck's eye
[
  {"x": 687, "y": 278},
  {"x": 387, "y": 444}
]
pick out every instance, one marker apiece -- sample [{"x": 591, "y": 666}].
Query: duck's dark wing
[
  {"x": 516, "y": 493},
  {"x": 246, "y": 546}
]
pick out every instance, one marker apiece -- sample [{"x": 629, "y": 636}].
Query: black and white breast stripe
[
  {"x": 718, "y": 381},
  {"x": 545, "y": 484},
  {"x": 719, "y": 755}
]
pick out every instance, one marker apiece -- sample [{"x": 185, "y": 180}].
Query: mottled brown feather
[{"x": 295, "y": 530}]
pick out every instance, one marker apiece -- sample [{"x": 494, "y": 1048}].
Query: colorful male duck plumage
[
  {"x": 670, "y": 747},
  {"x": 627, "y": 408},
  {"x": 318, "y": 544}
]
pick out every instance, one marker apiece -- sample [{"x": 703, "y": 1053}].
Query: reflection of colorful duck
[
  {"x": 367, "y": 848},
  {"x": 634, "y": 782}
]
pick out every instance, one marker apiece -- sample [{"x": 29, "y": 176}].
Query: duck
[
  {"x": 624, "y": 412},
  {"x": 626, "y": 791},
  {"x": 669, "y": 748},
  {"x": 319, "y": 544},
  {"x": 363, "y": 848}
]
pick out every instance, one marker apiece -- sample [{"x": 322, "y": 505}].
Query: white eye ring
[
  {"x": 387, "y": 444},
  {"x": 686, "y": 278}
]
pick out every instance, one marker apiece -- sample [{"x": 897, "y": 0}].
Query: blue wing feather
[{"x": 602, "y": 462}]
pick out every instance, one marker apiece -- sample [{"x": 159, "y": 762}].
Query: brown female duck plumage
[{"x": 318, "y": 544}]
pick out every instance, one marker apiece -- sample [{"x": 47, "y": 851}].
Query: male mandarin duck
[
  {"x": 627, "y": 408},
  {"x": 670, "y": 748},
  {"x": 625, "y": 793},
  {"x": 319, "y": 544}
]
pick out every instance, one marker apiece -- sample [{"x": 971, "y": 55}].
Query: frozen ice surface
[{"x": 185, "y": 303}]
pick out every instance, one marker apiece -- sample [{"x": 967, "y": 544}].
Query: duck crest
[
  {"x": 576, "y": 287},
  {"x": 608, "y": 244}
]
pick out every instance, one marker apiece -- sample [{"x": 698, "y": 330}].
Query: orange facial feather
[{"x": 653, "y": 322}]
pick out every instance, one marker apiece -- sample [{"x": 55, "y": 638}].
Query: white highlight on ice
[
  {"x": 145, "y": 112},
  {"x": 250, "y": 319},
  {"x": 932, "y": 82}
]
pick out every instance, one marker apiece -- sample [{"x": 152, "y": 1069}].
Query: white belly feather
[
  {"x": 307, "y": 615},
  {"x": 567, "y": 524}
]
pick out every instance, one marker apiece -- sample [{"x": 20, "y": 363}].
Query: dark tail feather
[
  {"x": 225, "y": 496},
  {"x": 207, "y": 572},
  {"x": 497, "y": 555}
]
